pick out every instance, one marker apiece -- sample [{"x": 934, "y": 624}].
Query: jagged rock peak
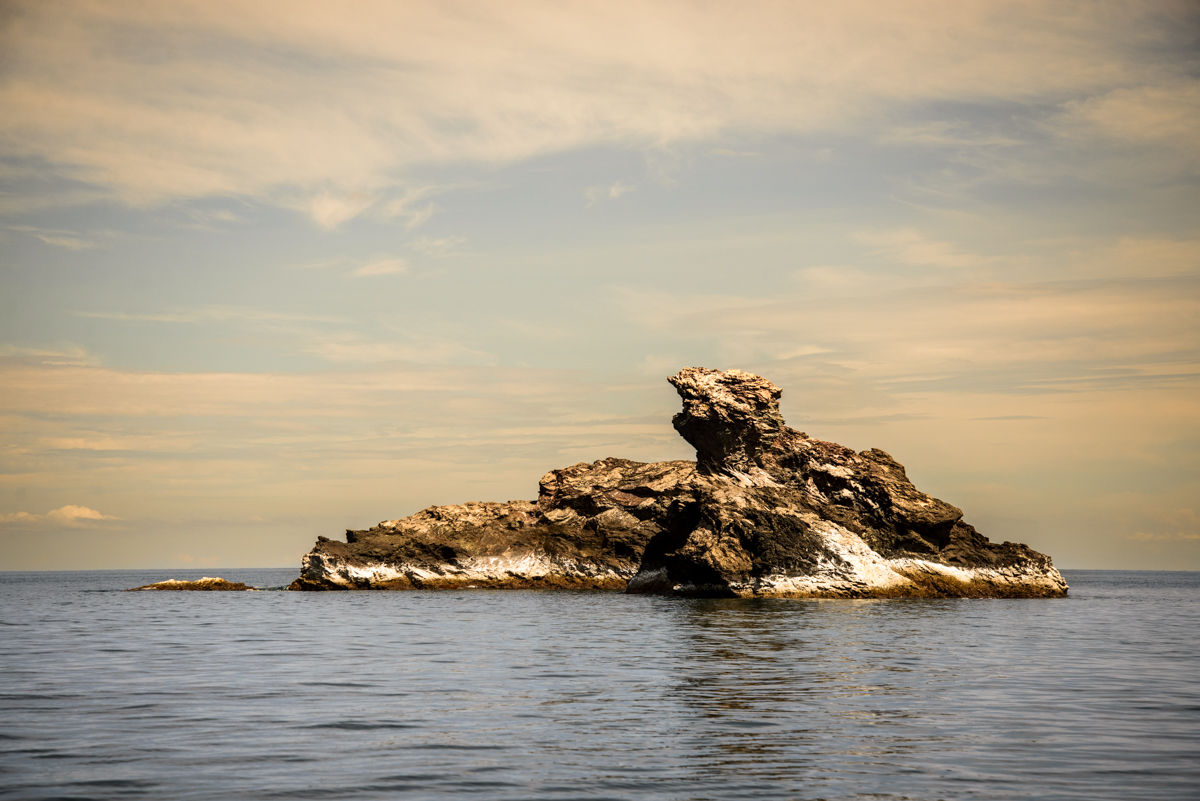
[{"x": 729, "y": 417}]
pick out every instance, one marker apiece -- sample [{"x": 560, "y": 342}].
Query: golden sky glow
[{"x": 271, "y": 270}]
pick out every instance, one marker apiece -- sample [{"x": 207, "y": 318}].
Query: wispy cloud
[
  {"x": 611, "y": 191},
  {"x": 1012, "y": 338},
  {"x": 69, "y": 515},
  {"x": 58, "y": 238},
  {"x": 355, "y": 348},
  {"x": 443, "y": 246},
  {"x": 1178, "y": 525},
  {"x": 329, "y": 210},
  {"x": 67, "y": 242},
  {"x": 379, "y": 264},
  {"x": 836, "y": 277},
  {"x": 381, "y": 89},
  {"x": 214, "y": 216},
  {"x": 1147, "y": 536},
  {"x": 910, "y": 246},
  {"x": 412, "y": 206},
  {"x": 209, "y": 314},
  {"x": 1141, "y": 114},
  {"x": 946, "y": 133},
  {"x": 319, "y": 265},
  {"x": 385, "y": 266},
  {"x": 70, "y": 355},
  {"x": 1134, "y": 256}
]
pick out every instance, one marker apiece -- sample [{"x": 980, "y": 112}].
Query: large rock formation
[{"x": 763, "y": 511}]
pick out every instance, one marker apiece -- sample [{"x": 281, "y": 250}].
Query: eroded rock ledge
[{"x": 765, "y": 510}]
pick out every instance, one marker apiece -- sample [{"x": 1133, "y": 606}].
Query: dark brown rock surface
[
  {"x": 764, "y": 511},
  {"x": 587, "y": 529}
]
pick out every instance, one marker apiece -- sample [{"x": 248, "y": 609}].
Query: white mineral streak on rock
[
  {"x": 170, "y": 582},
  {"x": 860, "y": 570},
  {"x": 1027, "y": 575},
  {"x": 855, "y": 569},
  {"x": 754, "y": 477},
  {"x": 339, "y": 571},
  {"x": 483, "y": 569}
]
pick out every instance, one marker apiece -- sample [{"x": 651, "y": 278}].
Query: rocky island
[{"x": 764, "y": 511}]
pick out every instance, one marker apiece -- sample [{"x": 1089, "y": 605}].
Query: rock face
[
  {"x": 763, "y": 511},
  {"x": 588, "y": 529}
]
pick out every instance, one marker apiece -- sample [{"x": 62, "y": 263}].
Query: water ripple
[{"x": 536, "y": 695}]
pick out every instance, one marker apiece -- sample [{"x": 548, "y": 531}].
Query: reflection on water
[
  {"x": 922, "y": 698},
  {"x": 806, "y": 695},
  {"x": 591, "y": 695}
]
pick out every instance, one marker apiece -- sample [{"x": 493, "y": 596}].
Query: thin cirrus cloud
[
  {"x": 329, "y": 210},
  {"x": 351, "y": 348},
  {"x": 611, "y": 191},
  {"x": 323, "y": 109},
  {"x": 990, "y": 338},
  {"x": 911, "y": 247},
  {"x": 385, "y": 266},
  {"x": 1143, "y": 114},
  {"x": 68, "y": 242},
  {"x": 1147, "y": 536},
  {"x": 211, "y": 314},
  {"x": 69, "y": 515},
  {"x": 57, "y": 238},
  {"x": 440, "y": 246}
]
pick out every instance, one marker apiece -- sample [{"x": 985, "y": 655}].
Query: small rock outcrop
[
  {"x": 765, "y": 510},
  {"x": 206, "y": 584}
]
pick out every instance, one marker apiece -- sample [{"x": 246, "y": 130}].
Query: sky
[{"x": 271, "y": 270}]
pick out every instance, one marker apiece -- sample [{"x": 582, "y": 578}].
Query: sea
[{"x": 518, "y": 694}]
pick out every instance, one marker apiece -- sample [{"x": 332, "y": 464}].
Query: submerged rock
[
  {"x": 765, "y": 510},
  {"x": 206, "y": 584}
]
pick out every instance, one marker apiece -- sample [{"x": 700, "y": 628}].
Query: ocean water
[{"x": 586, "y": 695}]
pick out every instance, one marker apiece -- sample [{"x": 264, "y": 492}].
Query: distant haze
[{"x": 272, "y": 270}]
